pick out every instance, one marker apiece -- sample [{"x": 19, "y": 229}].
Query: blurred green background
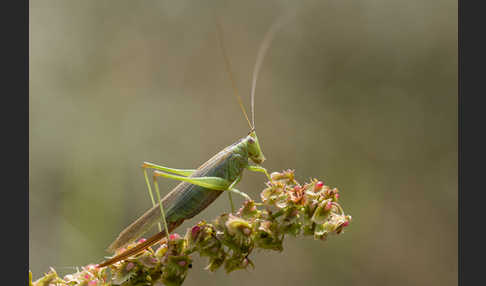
[{"x": 360, "y": 94}]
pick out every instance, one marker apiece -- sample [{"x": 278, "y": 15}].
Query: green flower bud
[
  {"x": 248, "y": 210},
  {"x": 322, "y": 212},
  {"x": 276, "y": 176},
  {"x": 147, "y": 260},
  {"x": 275, "y": 194},
  {"x": 123, "y": 274},
  {"x": 285, "y": 175},
  {"x": 322, "y": 230},
  {"x": 174, "y": 272},
  {"x": 214, "y": 264},
  {"x": 237, "y": 262},
  {"x": 236, "y": 225},
  {"x": 50, "y": 277},
  {"x": 266, "y": 236},
  {"x": 160, "y": 252}
]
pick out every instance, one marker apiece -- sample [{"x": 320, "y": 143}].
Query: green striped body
[{"x": 187, "y": 200}]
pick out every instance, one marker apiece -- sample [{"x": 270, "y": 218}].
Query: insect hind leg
[
  {"x": 150, "y": 192},
  {"x": 149, "y": 165},
  {"x": 182, "y": 172},
  {"x": 161, "y": 207}
]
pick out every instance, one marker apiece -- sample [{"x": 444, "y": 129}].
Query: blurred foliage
[{"x": 360, "y": 93}]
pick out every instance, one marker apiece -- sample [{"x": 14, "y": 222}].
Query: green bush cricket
[{"x": 199, "y": 187}]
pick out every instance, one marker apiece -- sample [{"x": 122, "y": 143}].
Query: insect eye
[{"x": 251, "y": 141}]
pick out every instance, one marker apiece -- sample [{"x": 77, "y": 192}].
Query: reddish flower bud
[
  {"x": 336, "y": 196},
  {"x": 244, "y": 263},
  {"x": 174, "y": 236},
  {"x": 130, "y": 266},
  {"x": 318, "y": 186},
  {"x": 121, "y": 250},
  {"x": 195, "y": 230},
  {"x": 346, "y": 223},
  {"x": 328, "y": 206},
  {"x": 142, "y": 240}
]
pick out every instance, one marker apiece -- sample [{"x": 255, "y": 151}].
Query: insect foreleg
[
  {"x": 258, "y": 169},
  {"x": 229, "y": 193},
  {"x": 148, "y": 165},
  {"x": 150, "y": 192},
  {"x": 240, "y": 193}
]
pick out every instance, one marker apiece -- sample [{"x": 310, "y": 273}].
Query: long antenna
[
  {"x": 267, "y": 40},
  {"x": 228, "y": 70}
]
